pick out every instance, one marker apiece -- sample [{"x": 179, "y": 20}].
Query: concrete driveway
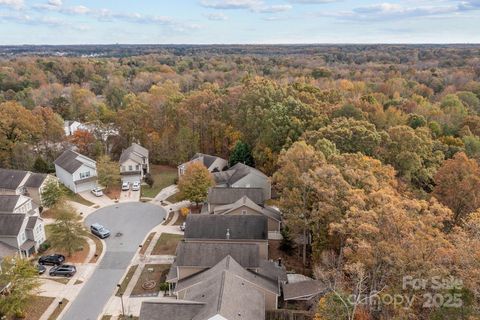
[
  {"x": 129, "y": 224},
  {"x": 129, "y": 195},
  {"x": 101, "y": 201}
]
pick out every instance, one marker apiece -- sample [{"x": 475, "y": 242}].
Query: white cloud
[
  {"x": 252, "y": 5},
  {"x": 216, "y": 16},
  {"x": 15, "y": 4}
]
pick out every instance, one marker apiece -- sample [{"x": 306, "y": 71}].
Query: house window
[
  {"x": 244, "y": 212},
  {"x": 123, "y": 168},
  {"x": 130, "y": 168},
  {"x": 23, "y": 237},
  {"x": 84, "y": 175},
  {"x": 137, "y": 167}
]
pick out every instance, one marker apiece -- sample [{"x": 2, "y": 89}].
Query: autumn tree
[
  {"x": 84, "y": 141},
  {"x": 67, "y": 233},
  {"x": 194, "y": 184},
  {"x": 22, "y": 279},
  {"x": 17, "y": 127},
  {"x": 108, "y": 171},
  {"x": 458, "y": 186}
]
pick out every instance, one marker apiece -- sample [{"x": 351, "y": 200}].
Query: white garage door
[
  {"x": 131, "y": 178},
  {"x": 86, "y": 186}
]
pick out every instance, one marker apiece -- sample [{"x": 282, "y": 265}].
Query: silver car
[
  {"x": 136, "y": 186},
  {"x": 100, "y": 231},
  {"x": 125, "y": 186}
]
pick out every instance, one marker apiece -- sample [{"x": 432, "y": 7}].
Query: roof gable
[
  {"x": 135, "y": 152},
  {"x": 11, "y": 224},
  {"x": 35, "y": 180},
  {"x": 11, "y": 179}
]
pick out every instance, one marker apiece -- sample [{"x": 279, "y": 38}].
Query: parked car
[
  {"x": 136, "y": 186},
  {"x": 65, "y": 270},
  {"x": 125, "y": 186},
  {"x": 99, "y": 230},
  {"x": 183, "y": 226},
  {"x": 97, "y": 192},
  {"x": 53, "y": 259},
  {"x": 41, "y": 268}
]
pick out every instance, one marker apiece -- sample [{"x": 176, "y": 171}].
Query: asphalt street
[{"x": 129, "y": 224}]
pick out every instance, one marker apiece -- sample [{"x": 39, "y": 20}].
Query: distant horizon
[
  {"x": 205, "y": 22},
  {"x": 246, "y": 44}
]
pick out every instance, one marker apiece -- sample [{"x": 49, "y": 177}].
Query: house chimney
[{"x": 228, "y": 234}]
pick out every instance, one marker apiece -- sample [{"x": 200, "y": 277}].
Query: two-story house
[
  {"x": 134, "y": 164},
  {"x": 21, "y": 229},
  {"x": 77, "y": 172}
]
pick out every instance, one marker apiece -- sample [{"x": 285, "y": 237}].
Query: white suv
[
  {"x": 125, "y": 186},
  {"x": 97, "y": 192}
]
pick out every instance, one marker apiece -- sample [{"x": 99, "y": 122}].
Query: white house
[
  {"x": 134, "y": 163},
  {"x": 20, "y": 233},
  {"x": 76, "y": 172},
  {"x": 18, "y": 204},
  {"x": 21, "y": 229}
]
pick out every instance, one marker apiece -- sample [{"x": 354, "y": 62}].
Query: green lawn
[
  {"x": 75, "y": 197},
  {"x": 174, "y": 198},
  {"x": 166, "y": 244},
  {"x": 163, "y": 176}
]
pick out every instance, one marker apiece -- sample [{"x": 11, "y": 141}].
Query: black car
[
  {"x": 65, "y": 270},
  {"x": 41, "y": 268},
  {"x": 53, "y": 259}
]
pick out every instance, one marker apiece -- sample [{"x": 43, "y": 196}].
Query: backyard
[
  {"x": 156, "y": 274},
  {"x": 163, "y": 176}
]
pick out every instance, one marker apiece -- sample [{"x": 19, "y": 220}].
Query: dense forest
[{"x": 373, "y": 149}]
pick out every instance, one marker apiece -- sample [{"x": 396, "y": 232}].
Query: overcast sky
[{"x": 238, "y": 21}]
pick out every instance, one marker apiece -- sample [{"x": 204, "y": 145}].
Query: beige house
[{"x": 212, "y": 163}]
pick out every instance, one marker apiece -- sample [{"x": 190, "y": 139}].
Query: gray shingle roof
[
  {"x": 240, "y": 227},
  {"x": 8, "y": 202},
  {"x": 224, "y": 195},
  {"x": 11, "y": 223},
  {"x": 11, "y": 179},
  {"x": 134, "y": 152},
  {"x": 68, "y": 161},
  {"x": 5, "y": 251},
  {"x": 235, "y": 173},
  {"x": 206, "y": 255},
  {"x": 35, "y": 180},
  {"x": 229, "y": 264},
  {"x": 32, "y": 221},
  {"x": 271, "y": 270},
  {"x": 303, "y": 290},
  {"x": 207, "y": 160},
  {"x": 172, "y": 310}
]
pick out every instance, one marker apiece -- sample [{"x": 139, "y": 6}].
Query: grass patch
[
  {"x": 98, "y": 248},
  {"x": 147, "y": 242},
  {"x": 78, "y": 282},
  {"x": 126, "y": 280},
  {"x": 36, "y": 307},
  {"x": 106, "y": 317},
  {"x": 58, "y": 310},
  {"x": 170, "y": 216},
  {"x": 163, "y": 176},
  {"x": 176, "y": 197},
  {"x": 166, "y": 244},
  {"x": 75, "y": 197},
  {"x": 60, "y": 280},
  {"x": 159, "y": 274}
]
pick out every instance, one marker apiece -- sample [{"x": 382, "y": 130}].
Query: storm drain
[{"x": 118, "y": 234}]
